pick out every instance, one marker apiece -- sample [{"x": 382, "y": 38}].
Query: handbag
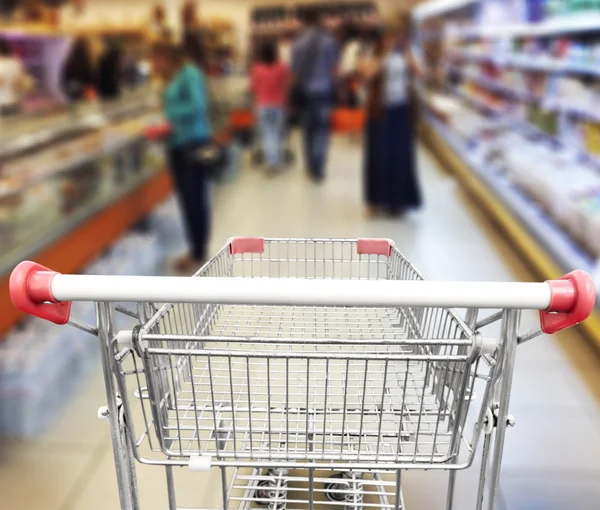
[{"x": 210, "y": 158}]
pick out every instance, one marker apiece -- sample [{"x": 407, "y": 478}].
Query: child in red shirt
[{"x": 270, "y": 81}]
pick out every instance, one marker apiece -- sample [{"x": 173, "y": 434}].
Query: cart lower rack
[{"x": 311, "y": 372}]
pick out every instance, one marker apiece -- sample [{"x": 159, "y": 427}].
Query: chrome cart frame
[{"x": 310, "y": 372}]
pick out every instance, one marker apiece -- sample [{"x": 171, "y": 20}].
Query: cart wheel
[
  {"x": 339, "y": 488},
  {"x": 266, "y": 494},
  {"x": 344, "y": 493}
]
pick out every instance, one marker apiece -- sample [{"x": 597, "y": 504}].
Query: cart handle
[{"x": 38, "y": 291}]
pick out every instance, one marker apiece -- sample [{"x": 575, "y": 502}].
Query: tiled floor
[{"x": 552, "y": 456}]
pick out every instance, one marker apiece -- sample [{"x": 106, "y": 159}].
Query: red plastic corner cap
[
  {"x": 374, "y": 247},
  {"x": 30, "y": 289},
  {"x": 572, "y": 300},
  {"x": 247, "y": 245}
]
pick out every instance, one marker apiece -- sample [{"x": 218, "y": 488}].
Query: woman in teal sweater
[{"x": 185, "y": 103}]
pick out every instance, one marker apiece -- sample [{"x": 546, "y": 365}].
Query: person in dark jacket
[
  {"x": 315, "y": 58},
  {"x": 78, "y": 74},
  {"x": 109, "y": 73}
]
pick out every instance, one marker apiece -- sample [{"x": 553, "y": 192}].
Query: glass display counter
[{"x": 59, "y": 170}]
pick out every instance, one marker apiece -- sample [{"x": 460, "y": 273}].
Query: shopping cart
[{"x": 311, "y": 372}]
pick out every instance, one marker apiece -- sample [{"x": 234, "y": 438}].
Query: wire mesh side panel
[
  {"x": 292, "y": 384},
  {"x": 174, "y": 321},
  {"x": 280, "y": 489},
  {"x": 310, "y": 258}
]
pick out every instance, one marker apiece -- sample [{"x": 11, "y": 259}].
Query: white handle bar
[
  {"x": 281, "y": 291},
  {"x": 47, "y": 294}
]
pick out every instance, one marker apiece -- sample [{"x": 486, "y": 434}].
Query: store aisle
[{"x": 552, "y": 455}]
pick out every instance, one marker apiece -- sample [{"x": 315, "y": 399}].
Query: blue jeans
[
  {"x": 271, "y": 120},
  {"x": 316, "y": 126}
]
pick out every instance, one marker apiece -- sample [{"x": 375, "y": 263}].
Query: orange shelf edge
[{"x": 79, "y": 247}]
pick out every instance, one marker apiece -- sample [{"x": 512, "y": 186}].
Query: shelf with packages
[
  {"x": 511, "y": 107},
  {"x": 525, "y": 62},
  {"x": 73, "y": 182},
  {"x": 137, "y": 31},
  {"x": 30, "y": 30},
  {"x": 569, "y": 94},
  {"x": 550, "y": 211},
  {"x": 574, "y": 24},
  {"x": 433, "y": 8}
]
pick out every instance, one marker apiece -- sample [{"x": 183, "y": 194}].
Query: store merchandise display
[
  {"x": 167, "y": 224},
  {"x": 42, "y": 365},
  {"x": 565, "y": 188},
  {"x": 275, "y": 19},
  {"x": 525, "y": 118},
  {"x": 41, "y": 55},
  {"x": 45, "y": 188}
]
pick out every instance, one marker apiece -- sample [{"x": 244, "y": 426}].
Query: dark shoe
[
  {"x": 396, "y": 213},
  {"x": 273, "y": 171}
]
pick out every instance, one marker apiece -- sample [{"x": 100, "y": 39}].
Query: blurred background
[{"x": 468, "y": 131}]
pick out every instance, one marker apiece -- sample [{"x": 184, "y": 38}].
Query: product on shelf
[
  {"x": 42, "y": 365},
  {"x": 42, "y": 187}
]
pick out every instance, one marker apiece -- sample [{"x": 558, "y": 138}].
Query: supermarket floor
[{"x": 552, "y": 456}]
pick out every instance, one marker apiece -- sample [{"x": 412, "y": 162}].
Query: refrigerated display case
[
  {"x": 519, "y": 127},
  {"x": 64, "y": 174}
]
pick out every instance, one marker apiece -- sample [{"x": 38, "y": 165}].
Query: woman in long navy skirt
[{"x": 390, "y": 180}]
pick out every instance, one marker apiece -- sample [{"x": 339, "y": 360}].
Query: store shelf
[
  {"x": 29, "y": 30},
  {"x": 62, "y": 168},
  {"x": 439, "y": 7},
  {"x": 85, "y": 235},
  {"x": 548, "y": 248},
  {"x": 589, "y": 113},
  {"x": 473, "y": 55},
  {"x": 528, "y": 62},
  {"x": 565, "y": 251},
  {"x": 571, "y": 24},
  {"x": 478, "y": 103},
  {"x": 134, "y": 31},
  {"x": 496, "y": 86},
  {"x": 33, "y": 132}
]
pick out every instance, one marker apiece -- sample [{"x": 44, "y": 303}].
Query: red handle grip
[
  {"x": 572, "y": 301},
  {"x": 30, "y": 289}
]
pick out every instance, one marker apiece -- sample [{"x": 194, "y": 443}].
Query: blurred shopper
[
  {"x": 193, "y": 35},
  {"x": 314, "y": 66},
  {"x": 390, "y": 180},
  {"x": 185, "y": 103},
  {"x": 270, "y": 80},
  {"x": 110, "y": 69},
  {"x": 285, "y": 48},
  {"x": 14, "y": 80},
  {"x": 158, "y": 23},
  {"x": 78, "y": 74},
  {"x": 193, "y": 45},
  {"x": 349, "y": 65}
]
